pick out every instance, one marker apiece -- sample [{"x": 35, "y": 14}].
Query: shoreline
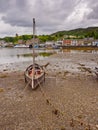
[
  {"x": 60, "y": 62},
  {"x": 67, "y": 100}
]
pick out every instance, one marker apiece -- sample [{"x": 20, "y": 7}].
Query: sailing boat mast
[
  {"x": 33, "y": 40},
  {"x": 33, "y": 76}
]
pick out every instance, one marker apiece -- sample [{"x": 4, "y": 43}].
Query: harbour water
[
  {"x": 13, "y": 55},
  {"x": 16, "y": 59}
]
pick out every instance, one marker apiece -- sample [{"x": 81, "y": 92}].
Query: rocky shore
[{"x": 68, "y": 100}]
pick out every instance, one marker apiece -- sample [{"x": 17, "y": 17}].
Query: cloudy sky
[{"x": 51, "y": 15}]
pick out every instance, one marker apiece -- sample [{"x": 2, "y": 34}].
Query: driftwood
[
  {"x": 44, "y": 66},
  {"x": 96, "y": 71},
  {"x": 96, "y": 68}
]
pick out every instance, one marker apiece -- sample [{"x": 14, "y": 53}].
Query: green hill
[
  {"x": 79, "y": 33},
  {"x": 75, "y": 33}
]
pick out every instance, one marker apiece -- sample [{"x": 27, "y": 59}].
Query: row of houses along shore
[
  {"x": 76, "y": 42},
  {"x": 64, "y": 42}
]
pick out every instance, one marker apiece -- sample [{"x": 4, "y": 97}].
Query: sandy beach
[{"x": 68, "y": 100}]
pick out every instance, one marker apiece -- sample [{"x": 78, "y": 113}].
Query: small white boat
[{"x": 21, "y": 46}]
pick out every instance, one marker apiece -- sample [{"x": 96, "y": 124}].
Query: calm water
[{"x": 12, "y": 55}]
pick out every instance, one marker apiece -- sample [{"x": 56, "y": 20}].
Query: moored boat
[
  {"x": 34, "y": 75},
  {"x": 21, "y": 46}
]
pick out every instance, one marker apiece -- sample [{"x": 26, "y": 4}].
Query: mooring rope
[{"x": 60, "y": 114}]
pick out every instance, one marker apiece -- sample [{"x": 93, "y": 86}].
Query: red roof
[{"x": 67, "y": 41}]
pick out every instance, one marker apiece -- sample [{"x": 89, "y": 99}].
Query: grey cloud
[
  {"x": 49, "y": 13},
  {"x": 94, "y": 13},
  {"x": 4, "y": 5},
  {"x": 93, "y": 6},
  {"x": 17, "y": 14}
]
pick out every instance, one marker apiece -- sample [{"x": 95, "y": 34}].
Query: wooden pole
[
  {"x": 33, "y": 76},
  {"x": 33, "y": 40}
]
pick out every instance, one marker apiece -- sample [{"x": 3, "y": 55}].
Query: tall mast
[
  {"x": 33, "y": 40},
  {"x": 33, "y": 76}
]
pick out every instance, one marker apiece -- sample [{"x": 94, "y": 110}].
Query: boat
[
  {"x": 21, "y": 46},
  {"x": 35, "y": 73},
  {"x": 35, "y": 46},
  {"x": 96, "y": 71}
]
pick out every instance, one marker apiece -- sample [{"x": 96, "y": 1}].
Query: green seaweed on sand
[
  {"x": 44, "y": 54},
  {"x": 27, "y": 55},
  {"x": 81, "y": 64},
  {"x": 63, "y": 128},
  {"x": 84, "y": 69},
  {"x": 3, "y": 76},
  {"x": 1, "y": 90}
]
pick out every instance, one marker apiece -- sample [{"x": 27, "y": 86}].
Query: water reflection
[
  {"x": 79, "y": 51},
  {"x": 12, "y": 55}
]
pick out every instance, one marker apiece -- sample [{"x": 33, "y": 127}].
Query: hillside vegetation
[
  {"x": 79, "y": 33},
  {"x": 76, "y": 33}
]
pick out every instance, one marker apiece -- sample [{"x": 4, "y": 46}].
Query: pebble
[{"x": 96, "y": 126}]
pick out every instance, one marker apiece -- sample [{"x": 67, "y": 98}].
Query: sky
[{"x": 50, "y": 16}]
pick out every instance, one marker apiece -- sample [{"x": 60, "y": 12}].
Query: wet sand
[{"x": 68, "y": 100}]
